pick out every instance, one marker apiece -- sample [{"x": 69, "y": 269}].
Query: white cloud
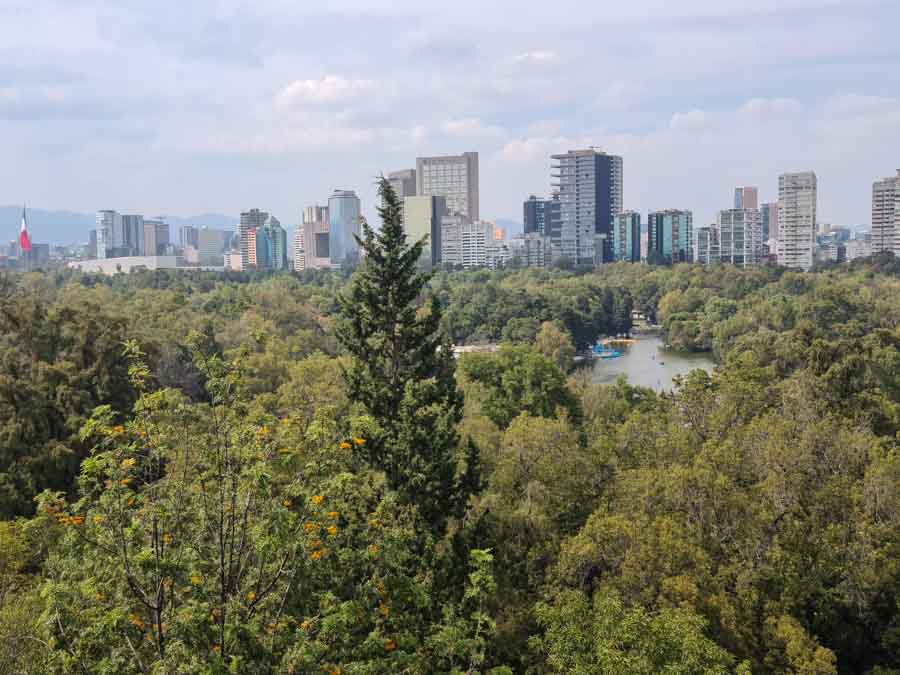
[
  {"x": 694, "y": 119},
  {"x": 620, "y": 96},
  {"x": 767, "y": 107},
  {"x": 470, "y": 127},
  {"x": 327, "y": 90},
  {"x": 537, "y": 56}
]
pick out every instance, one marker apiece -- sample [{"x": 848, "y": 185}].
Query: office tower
[
  {"x": 746, "y": 198},
  {"x": 422, "y": 217},
  {"x": 886, "y": 215},
  {"x": 403, "y": 182},
  {"x": 316, "y": 249},
  {"x": 187, "y": 236},
  {"x": 250, "y": 220},
  {"x": 538, "y": 215},
  {"x": 706, "y": 244},
  {"x": 769, "y": 218},
  {"x": 315, "y": 214},
  {"x": 627, "y": 237},
  {"x": 92, "y": 244},
  {"x": 474, "y": 241},
  {"x": 797, "y": 219},
  {"x": 256, "y": 248},
  {"x": 451, "y": 241},
  {"x": 454, "y": 177},
  {"x": 211, "y": 245},
  {"x": 109, "y": 232},
  {"x": 133, "y": 229},
  {"x": 740, "y": 237},
  {"x": 274, "y": 242},
  {"x": 156, "y": 237},
  {"x": 670, "y": 236},
  {"x": 299, "y": 255},
  {"x": 344, "y": 226},
  {"x": 589, "y": 184}
]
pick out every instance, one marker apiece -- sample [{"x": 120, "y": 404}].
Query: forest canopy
[{"x": 206, "y": 473}]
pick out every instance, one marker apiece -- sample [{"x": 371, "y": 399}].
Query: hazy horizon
[{"x": 221, "y": 107}]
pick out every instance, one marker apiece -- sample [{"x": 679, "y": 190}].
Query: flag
[{"x": 24, "y": 239}]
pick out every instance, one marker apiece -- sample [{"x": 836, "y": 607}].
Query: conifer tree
[{"x": 403, "y": 371}]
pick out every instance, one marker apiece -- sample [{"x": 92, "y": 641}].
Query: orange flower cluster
[
  {"x": 117, "y": 430},
  {"x": 286, "y": 503},
  {"x": 317, "y": 500},
  {"x": 331, "y": 529},
  {"x": 135, "y": 621},
  {"x": 390, "y": 645},
  {"x": 311, "y": 527},
  {"x": 359, "y": 441},
  {"x": 316, "y": 555},
  {"x": 333, "y": 514},
  {"x": 168, "y": 538},
  {"x": 345, "y": 445}
]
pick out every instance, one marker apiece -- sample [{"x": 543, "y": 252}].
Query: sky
[{"x": 173, "y": 107}]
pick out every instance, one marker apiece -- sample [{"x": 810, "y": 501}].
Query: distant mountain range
[{"x": 67, "y": 227}]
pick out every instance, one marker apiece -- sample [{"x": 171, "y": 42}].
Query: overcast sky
[{"x": 184, "y": 107}]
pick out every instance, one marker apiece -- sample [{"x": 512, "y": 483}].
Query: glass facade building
[
  {"x": 627, "y": 237},
  {"x": 344, "y": 215},
  {"x": 670, "y": 236}
]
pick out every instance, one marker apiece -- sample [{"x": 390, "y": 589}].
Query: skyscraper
[
  {"x": 403, "y": 182},
  {"x": 886, "y": 215},
  {"x": 627, "y": 237},
  {"x": 422, "y": 217},
  {"x": 315, "y": 214},
  {"x": 746, "y": 197},
  {"x": 589, "y": 183},
  {"x": 187, "y": 236},
  {"x": 109, "y": 231},
  {"x": 797, "y": 196},
  {"x": 156, "y": 237},
  {"x": 671, "y": 236},
  {"x": 344, "y": 224},
  {"x": 769, "y": 217},
  {"x": 133, "y": 229},
  {"x": 740, "y": 237},
  {"x": 706, "y": 244},
  {"x": 250, "y": 220},
  {"x": 537, "y": 214},
  {"x": 454, "y": 177},
  {"x": 275, "y": 242}
]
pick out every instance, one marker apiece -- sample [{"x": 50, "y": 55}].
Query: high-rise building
[
  {"x": 451, "y": 241},
  {"x": 211, "y": 245},
  {"x": 589, "y": 184},
  {"x": 315, "y": 214},
  {"x": 344, "y": 215},
  {"x": 187, "y": 236},
  {"x": 454, "y": 177},
  {"x": 627, "y": 237},
  {"x": 538, "y": 215},
  {"x": 422, "y": 217},
  {"x": 133, "y": 230},
  {"x": 886, "y": 215},
  {"x": 475, "y": 239},
  {"x": 769, "y": 218},
  {"x": 534, "y": 250},
  {"x": 316, "y": 250},
  {"x": 706, "y": 244},
  {"x": 746, "y": 197},
  {"x": 299, "y": 254},
  {"x": 671, "y": 236},
  {"x": 740, "y": 237},
  {"x": 110, "y": 234},
  {"x": 797, "y": 196},
  {"x": 250, "y": 220},
  {"x": 403, "y": 182},
  {"x": 271, "y": 245},
  {"x": 156, "y": 237}
]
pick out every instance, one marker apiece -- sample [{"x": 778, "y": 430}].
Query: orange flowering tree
[{"x": 212, "y": 537}]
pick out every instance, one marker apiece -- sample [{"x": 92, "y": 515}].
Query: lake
[{"x": 647, "y": 364}]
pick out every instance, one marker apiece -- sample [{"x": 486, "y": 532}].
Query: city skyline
[{"x": 221, "y": 108}]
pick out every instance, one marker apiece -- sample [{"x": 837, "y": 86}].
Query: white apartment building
[
  {"x": 886, "y": 215},
  {"x": 797, "y": 197},
  {"x": 739, "y": 237}
]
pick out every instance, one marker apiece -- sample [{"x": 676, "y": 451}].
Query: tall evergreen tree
[{"x": 403, "y": 370}]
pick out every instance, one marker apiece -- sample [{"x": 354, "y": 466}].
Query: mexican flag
[{"x": 24, "y": 239}]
